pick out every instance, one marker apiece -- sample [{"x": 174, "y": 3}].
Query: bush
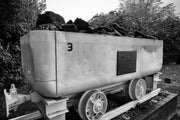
[{"x": 10, "y": 65}]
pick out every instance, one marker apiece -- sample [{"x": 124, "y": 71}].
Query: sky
[{"x": 86, "y": 9}]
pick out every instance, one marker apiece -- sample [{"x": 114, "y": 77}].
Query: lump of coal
[
  {"x": 81, "y": 24},
  {"x": 105, "y": 30},
  {"x": 78, "y": 25},
  {"x": 70, "y": 22},
  {"x": 139, "y": 34},
  {"x": 101, "y": 30},
  {"x": 50, "y": 18},
  {"x": 46, "y": 27},
  {"x": 69, "y": 28},
  {"x": 120, "y": 30}
]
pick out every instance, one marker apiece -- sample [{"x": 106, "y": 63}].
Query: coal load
[
  {"x": 82, "y": 25},
  {"x": 139, "y": 34},
  {"x": 119, "y": 30},
  {"x": 49, "y": 21},
  {"x": 69, "y": 28},
  {"x": 52, "y": 21},
  {"x": 103, "y": 30}
]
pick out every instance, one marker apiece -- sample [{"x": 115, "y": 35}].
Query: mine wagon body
[{"x": 58, "y": 63}]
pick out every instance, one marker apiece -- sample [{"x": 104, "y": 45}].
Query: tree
[
  {"x": 146, "y": 16},
  {"x": 18, "y": 16}
]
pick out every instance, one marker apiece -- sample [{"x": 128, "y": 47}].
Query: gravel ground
[{"x": 169, "y": 72}]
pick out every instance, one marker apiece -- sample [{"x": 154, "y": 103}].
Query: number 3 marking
[{"x": 70, "y": 47}]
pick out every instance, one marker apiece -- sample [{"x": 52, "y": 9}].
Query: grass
[{"x": 172, "y": 72}]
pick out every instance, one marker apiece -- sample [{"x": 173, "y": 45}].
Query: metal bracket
[
  {"x": 13, "y": 100},
  {"x": 51, "y": 109},
  {"x": 156, "y": 79}
]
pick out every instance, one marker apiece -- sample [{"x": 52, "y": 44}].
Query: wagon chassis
[
  {"x": 55, "y": 109},
  {"x": 120, "y": 110}
]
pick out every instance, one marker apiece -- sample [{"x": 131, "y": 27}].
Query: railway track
[{"x": 161, "y": 107}]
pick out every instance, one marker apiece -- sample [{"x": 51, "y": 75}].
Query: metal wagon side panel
[
  {"x": 38, "y": 60},
  {"x": 65, "y": 63},
  {"x": 87, "y": 61}
]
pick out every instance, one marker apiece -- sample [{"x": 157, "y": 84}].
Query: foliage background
[
  {"x": 148, "y": 17},
  {"x": 17, "y": 17}
]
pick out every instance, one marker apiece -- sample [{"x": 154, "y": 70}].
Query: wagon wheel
[
  {"x": 137, "y": 88},
  {"x": 92, "y": 105}
]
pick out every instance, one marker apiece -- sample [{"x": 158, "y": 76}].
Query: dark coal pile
[
  {"x": 49, "y": 21},
  {"x": 52, "y": 21}
]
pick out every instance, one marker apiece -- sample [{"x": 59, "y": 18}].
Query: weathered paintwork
[{"x": 59, "y": 63}]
